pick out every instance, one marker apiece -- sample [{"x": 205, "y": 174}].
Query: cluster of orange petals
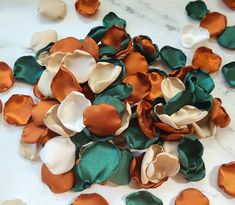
[
  {"x": 90, "y": 199},
  {"x": 6, "y": 77},
  {"x": 87, "y": 7}
]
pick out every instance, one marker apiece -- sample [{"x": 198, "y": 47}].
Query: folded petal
[
  {"x": 55, "y": 61},
  {"x": 90, "y": 46},
  {"x": 6, "y": 77}
]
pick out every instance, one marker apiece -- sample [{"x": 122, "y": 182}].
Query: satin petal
[
  {"x": 227, "y": 38},
  {"x": 90, "y": 46},
  {"x": 230, "y": 4},
  {"x": 87, "y": 7},
  {"x": 90, "y": 199},
  {"x": 196, "y": 9},
  {"x": 6, "y": 77},
  {"x": 29, "y": 151},
  {"x": 229, "y": 73},
  {"x": 13, "y": 202}
]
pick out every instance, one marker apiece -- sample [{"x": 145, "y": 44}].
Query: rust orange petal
[
  {"x": 68, "y": 44},
  {"x": 226, "y": 178},
  {"x": 134, "y": 63},
  {"x": 0, "y": 106},
  {"x": 58, "y": 183},
  {"x": 6, "y": 77},
  {"x": 123, "y": 53},
  {"x": 230, "y": 4},
  {"x": 90, "y": 199},
  {"x": 90, "y": 46},
  {"x": 194, "y": 196},
  {"x": 37, "y": 93},
  {"x": 135, "y": 173},
  {"x": 181, "y": 73},
  {"x": 206, "y": 59},
  {"x": 64, "y": 83},
  {"x": 215, "y": 23},
  {"x": 109, "y": 121},
  {"x": 18, "y": 109},
  {"x": 147, "y": 44},
  {"x": 145, "y": 118},
  {"x": 141, "y": 87},
  {"x": 218, "y": 114},
  {"x": 86, "y": 90},
  {"x": 47, "y": 136},
  {"x": 87, "y": 7},
  {"x": 114, "y": 37},
  {"x": 39, "y": 111}
]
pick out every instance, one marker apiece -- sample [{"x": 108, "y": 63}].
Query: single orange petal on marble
[
  {"x": 18, "y": 109},
  {"x": 38, "y": 94},
  {"x": 191, "y": 196},
  {"x": 90, "y": 199},
  {"x": 58, "y": 183},
  {"x": 87, "y": 7},
  {"x": 86, "y": 90},
  {"x": 6, "y": 77},
  {"x": 47, "y": 136},
  {"x": 141, "y": 87},
  {"x": 109, "y": 121},
  {"x": 226, "y": 178},
  {"x": 218, "y": 114},
  {"x": 64, "y": 83},
  {"x": 135, "y": 62},
  {"x": 181, "y": 73},
  {"x": 215, "y": 23},
  {"x": 205, "y": 58},
  {"x": 230, "y": 4},
  {"x": 122, "y": 53},
  {"x": 91, "y": 47},
  {"x": 68, "y": 44}
]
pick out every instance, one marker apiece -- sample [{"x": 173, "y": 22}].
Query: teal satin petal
[
  {"x": 98, "y": 162},
  {"x": 229, "y": 73},
  {"x": 94, "y": 138},
  {"x": 196, "y": 9},
  {"x": 122, "y": 175},
  {"x": 227, "y": 38},
  {"x": 125, "y": 43},
  {"x": 112, "y": 19},
  {"x": 142, "y": 198},
  {"x": 174, "y": 58},
  {"x": 193, "y": 175},
  {"x": 97, "y": 33},
  {"x": 27, "y": 69},
  {"x": 45, "y": 49},
  {"x": 107, "y": 51},
  {"x": 205, "y": 104}
]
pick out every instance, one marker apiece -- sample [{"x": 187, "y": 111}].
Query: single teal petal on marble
[
  {"x": 228, "y": 71},
  {"x": 227, "y": 38},
  {"x": 97, "y": 33},
  {"x": 112, "y": 19},
  {"x": 196, "y": 9}
]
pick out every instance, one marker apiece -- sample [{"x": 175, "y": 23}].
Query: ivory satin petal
[
  {"x": 55, "y": 61},
  {"x": 29, "y": 151},
  {"x": 12, "y": 202}
]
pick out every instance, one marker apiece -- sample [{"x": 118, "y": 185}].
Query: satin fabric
[
  {"x": 87, "y": 7},
  {"x": 90, "y": 199},
  {"x": 6, "y": 77}
]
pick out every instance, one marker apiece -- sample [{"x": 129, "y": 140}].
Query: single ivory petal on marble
[
  {"x": 52, "y": 9},
  {"x": 149, "y": 156},
  {"x": 43, "y": 38},
  {"x": 191, "y": 35},
  {"x": 29, "y": 151},
  {"x": 81, "y": 64},
  {"x": 12, "y": 202},
  {"x": 53, "y": 123},
  {"x": 58, "y": 155},
  {"x": 103, "y": 76},
  {"x": 70, "y": 111},
  {"x": 126, "y": 116},
  {"x": 55, "y": 61},
  {"x": 171, "y": 86}
]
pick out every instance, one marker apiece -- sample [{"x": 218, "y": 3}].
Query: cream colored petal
[
  {"x": 150, "y": 154},
  {"x": 52, "y": 9},
  {"x": 70, "y": 111},
  {"x": 58, "y": 155},
  {"x": 43, "y": 58},
  {"x": 29, "y": 151},
  {"x": 43, "y": 38},
  {"x": 12, "y": 202},
  {"x": 81, "y": 64},
  {"x": 171, "y": 86},
  {"x": 126, "y": 116},
  {"x": 103, "y": 75},
  {"x": 191, "y": 35},
  {"x": 55, "y": 61},
  {"x": 53, "y": 123}
]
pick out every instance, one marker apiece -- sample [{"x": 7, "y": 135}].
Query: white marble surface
[{"x": 161, "y": 20}]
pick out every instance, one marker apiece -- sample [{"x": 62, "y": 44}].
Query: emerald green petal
[
  {"x": 122, "y": 176},
  {"x": 194, "y": 175},
  {"x": 120, "y": 91},
  {"x": 142, "y": 198},
  {"x": 196, "y": 9},
  {"x": 229, "y": 73},
  {"x": 112, "y": 19},
  {"x": 97, "y": 33},
  {"x": 98, "y": 162},
  {"x": 227, "y": 38},
  {"x": 107, "y": 51},
  {"x": 46, "y": 48},
  {"x": 27, "y": 69},
  {"x": 173, "y": 57}
]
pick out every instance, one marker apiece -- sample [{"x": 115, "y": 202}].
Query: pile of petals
[{"x": 103, "y": 111}]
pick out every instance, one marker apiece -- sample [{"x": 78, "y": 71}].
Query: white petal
[
  {"x": 29, "y": 151},
  {"x": 41, "y": 39},
  {"x": 58, "y": 155},
  {"x": 53, "y": 123},
  {"x": 44, "y": 83},
  {"x": 103, "y": 75},
  {"x": 70, "y": 111},
  {"x": 55, "y": 61},
  {"x": 13, "y": 202},
  {"x": 171, "y": 86},
  {"x": 81, "y": 64},
  {"x": 191, "y": 35}
]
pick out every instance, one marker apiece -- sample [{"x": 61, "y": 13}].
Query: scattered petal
[
  {"x": 90, "y": 199},
  {"x": 90, "y": 46},
  {"x": 227, "y": 38},
  {"x": 29, "y": 151},
  {"x": 13, "y": 202},
  {"x": 196, "y": 9},
  {"x": 230, "y": 4},
  {"x": 0, "y": 106},
  {"x": 87, "y": 7},
  {"x": 6, "y": 77},
  {"x": 112, "y": 19},
  {"x": 229, "y": 73}
]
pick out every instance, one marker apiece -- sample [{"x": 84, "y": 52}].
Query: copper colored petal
[
  {"x": 204, "y": 58},
  {"x": 64, "y": 83},
  {"x": 90, "y": 199},
  {"x": 18, "y": 109},
  {"x": 181, "y": 73},
  {"x": 0, "y": 106},
  {"x": 58, "y": 183},
  {"x": 86, "y": 90},
  {"x": 6, "y": 77},
  {"x": 68, "y": 44},
  {"x": 214, "y": 22},
  {"x": 218, "y": 114},
  {"x": 47, "y": 136},
  {"x": 109, "y": 121},
  {"x": 134, "y": 63},
  {"x": 91, "y": 47},
  {"x": 230, "y": 4},
  {"x": 226, "y": 178},
  {"x": 147, "y": 44},
  {"x": 39, "y": 111},
  {"x": 87, "y": 7},
  {"x": 121, "y": 54},
  {"x": 191, "y": 196},
  {"x": 37, "y": 92},
  {"x": 141, "y": 87}
]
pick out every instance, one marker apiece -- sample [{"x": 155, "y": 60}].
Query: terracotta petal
[
  {"x": 87, "y": 7},
  {"x": 90, "y": 199},
  {"x": 6, "y": 77},
  {"x": 90, "y": 46}
]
